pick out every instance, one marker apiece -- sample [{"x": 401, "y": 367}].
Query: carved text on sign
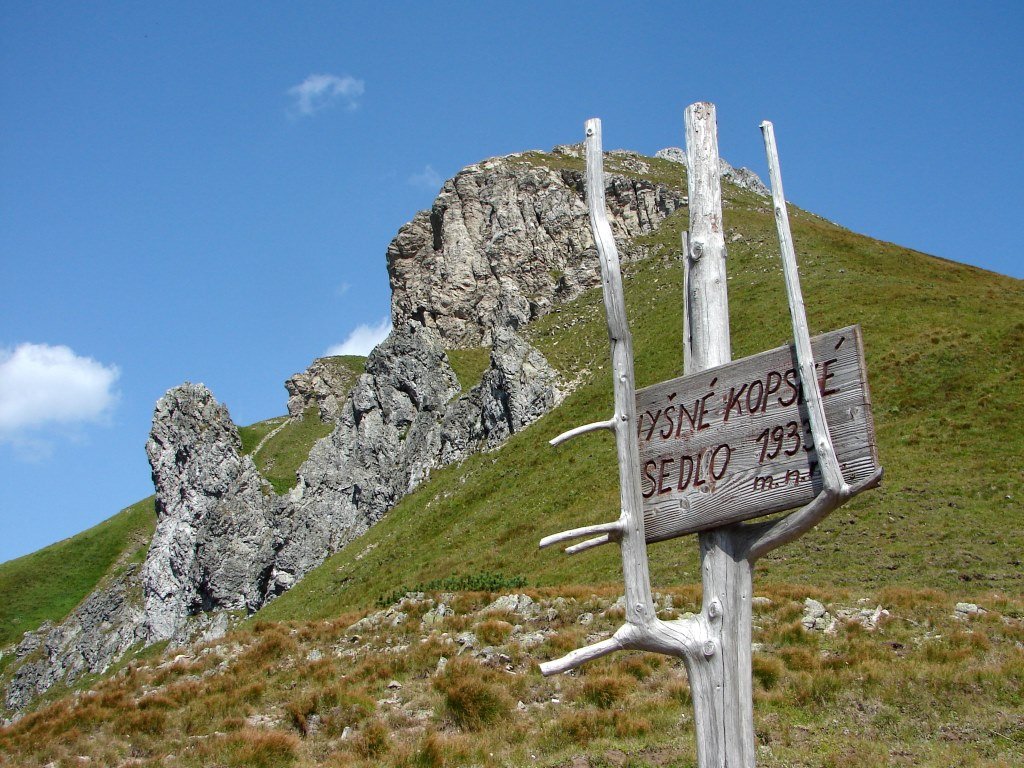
[{"x": 734, "y": 442}]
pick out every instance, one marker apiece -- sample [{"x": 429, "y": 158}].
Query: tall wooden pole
[{"x": 723, "y": 712}]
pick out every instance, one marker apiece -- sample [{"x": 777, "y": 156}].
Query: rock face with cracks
[
  {"x": 225, "y": 541},
  {"x": 323, "y": 385},
  {"x": 505, "y": 241},
  {"x": 109, "y": 622},
  {"x": 215, "y": 526}
]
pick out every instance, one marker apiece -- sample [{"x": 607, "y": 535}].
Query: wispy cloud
[
  {"x": 363, "y": 339},
  {"x": 44, "y": 386},
  {"x": 321, "y": 90},
  {"x": 428, "y": 179},
  {"x": 342, "y": 289}
]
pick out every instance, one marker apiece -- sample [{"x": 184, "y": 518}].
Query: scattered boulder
[
  {"x": 521, "y": 605},
  {"x": 816, "y": 618},
  {"x": 964, "y": 611},
  {"x": 869, "y": 618}
]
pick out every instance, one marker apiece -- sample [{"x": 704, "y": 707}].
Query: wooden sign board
[{"x": 734, "y": 442}]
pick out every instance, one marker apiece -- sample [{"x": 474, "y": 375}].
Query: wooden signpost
[
  {"x": 726, "y": 442},
  {"x": 734, "y": 442}
]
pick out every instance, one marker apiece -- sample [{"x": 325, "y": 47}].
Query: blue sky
[{"x": 205, "y": 192}]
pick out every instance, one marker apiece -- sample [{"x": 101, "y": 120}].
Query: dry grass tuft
[
  {"x": 473, "y": 696},
  {"x": 604, "y": 691},
  {"x": 493, "y": 631},
  {"x": 372, "y": 741},
  {"x": 252, "y": 748}
]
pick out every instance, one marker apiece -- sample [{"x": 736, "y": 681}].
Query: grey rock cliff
[
  {"x": 506, "y": 241},
  {"x": 507, "y": 236},
  {"x": 214, "y": 533},
  {"x": 404, "y": 417},
  {"x": 323, "y": 385}
]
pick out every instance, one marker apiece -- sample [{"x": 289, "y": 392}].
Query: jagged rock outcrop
[
  {"x": 741, "y": 177},
  {"x": 225, "y": 541},
  {"x": 323, "y": 385},
  {"x": 403, "y": 418},
  {"x": 510, "y": 236},
  {"x": 98, "y": 632},
  {"x": 215, "y": 529}
]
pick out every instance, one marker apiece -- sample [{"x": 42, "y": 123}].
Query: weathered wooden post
[{"x": 702, "y": 453}]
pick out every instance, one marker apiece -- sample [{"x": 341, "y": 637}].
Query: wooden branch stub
[
  {"x": 577, "y": 431},
  {"x": 578, "y": 533}
]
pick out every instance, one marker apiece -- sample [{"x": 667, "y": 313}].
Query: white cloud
[
  {"x": 363, "y": 339},
  {"x": 429, "y": 179},
  {"x": 43, "y": 385},
  {"x": 319, "y": 91}
]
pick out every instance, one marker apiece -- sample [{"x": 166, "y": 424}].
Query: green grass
[
  {"x": 347, "y": 367},
  {"x": 469, "y": 365},
  {"x": 283, "y": 454},
  {"x": 46, "y": 585},
  {"x": 661, "y": 171},
  {"x": 944, "y": 353},
  {"x": 254, "y": 433}
]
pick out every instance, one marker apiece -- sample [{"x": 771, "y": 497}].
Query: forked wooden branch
[
  {"x": 761, "y": 538},
  {"x": 642, "y": 630}
]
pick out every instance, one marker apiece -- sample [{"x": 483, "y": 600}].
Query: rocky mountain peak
[
  {"x": 508, "y": 239},
  {"x": 741, "y": 177}
]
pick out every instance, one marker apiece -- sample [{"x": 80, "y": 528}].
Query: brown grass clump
[
  {"x": 372, "y": 741},
  {"x": 603, "y": 691},
  {"x": 149, "y": 721},
  {"x": 679, "y": 689},
  {"x": 272, "y": 645},
  {"x": 473, "y": 696},
  {"x": 439, "y": 750},
  {"x": 337, "y": 707},
  {"x": 768, "y": 670},
  {"x": 640, "y": 666},
  {"x": 800, "y": 658},
  {"x": 252, "y": 748},
  {"x": 583, "y": 726},
  {"x": 493, "y": 631}
]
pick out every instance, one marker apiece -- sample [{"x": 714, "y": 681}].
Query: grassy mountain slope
[
  {"x": 913, "y": 685},
  {"x": 46, "y": 585},
  {"x": 280, "y": 445},
  {"x": 944, "y": 354}
]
